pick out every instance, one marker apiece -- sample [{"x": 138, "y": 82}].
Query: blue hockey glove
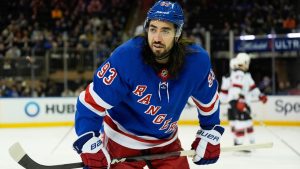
[
  {"x": 91, "y": 151},
  {"x": 207, "y": 145}
]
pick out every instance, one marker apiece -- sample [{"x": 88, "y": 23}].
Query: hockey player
[
  {"x": 139, "y": 92},
  {"x": 226, "y": 83},
  {"x": 241, "y": 92}
]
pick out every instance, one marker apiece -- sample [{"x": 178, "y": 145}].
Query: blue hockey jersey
[{"x": 139, "y": 109}]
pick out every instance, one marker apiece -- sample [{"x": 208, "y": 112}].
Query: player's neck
[{"x": 162, "y": 60}]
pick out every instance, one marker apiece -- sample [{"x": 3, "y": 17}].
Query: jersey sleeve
[
  {"x": 206, "y": 98},
  {"x": 107, "y": 90},
  {"x": 254, "y": 91}
]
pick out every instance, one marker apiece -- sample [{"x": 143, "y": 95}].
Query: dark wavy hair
[{"x": 176, "y": 59}]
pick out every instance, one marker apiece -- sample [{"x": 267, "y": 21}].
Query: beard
[{"x": 159, "y": 50}]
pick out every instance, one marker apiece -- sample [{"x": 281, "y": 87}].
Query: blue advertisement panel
[
  {"x": 266, "y": 45},
  {"x": 256, "y": 45},
  {"x": 287, "y": 44}
]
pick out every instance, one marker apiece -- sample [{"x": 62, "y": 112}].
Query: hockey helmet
[
  {"x": 166, "y": 11},
  {"x": 243, "y": 61}
]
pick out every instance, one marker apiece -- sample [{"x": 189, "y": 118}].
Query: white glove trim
[
  {"x": 93, "y": 145},
  {"x": 107, "y": 156},
  {"x": 200, "y": 150},
  {"x": 211, "y": 136}
]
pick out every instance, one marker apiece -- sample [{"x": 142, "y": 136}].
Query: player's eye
[
  {"x": 165, "y": 32},
  {"x": 152, "y": 30}
]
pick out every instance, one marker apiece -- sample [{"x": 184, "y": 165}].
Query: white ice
[{"x": 43, "y": 145}]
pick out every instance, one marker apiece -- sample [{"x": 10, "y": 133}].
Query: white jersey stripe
[
  {"x": 208, "y": 108},
  {"x": 98, "y": 99},
  {"x": 142, "y": 142},
  {"x": 207, "y": 104},
  {"x": 88, "y": 106},
  {"x": 215, "y": 108}
]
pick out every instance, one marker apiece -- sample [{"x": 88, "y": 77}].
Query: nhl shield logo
[{"x": 164, "y": 74}]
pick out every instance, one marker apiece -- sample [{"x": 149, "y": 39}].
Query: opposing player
[
  {"x": 240, "y": 94},
  {"x": 225, "y": 85},
  {"x": 138, "y": 95}
]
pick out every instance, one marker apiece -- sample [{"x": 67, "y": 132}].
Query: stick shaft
[
  {"x": 20, "y": 156},
  {"x": 247, "y": 147},
  {"x": 190, "y": 153}
]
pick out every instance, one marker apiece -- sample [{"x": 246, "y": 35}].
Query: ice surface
[{"x": 41, "y": 145}]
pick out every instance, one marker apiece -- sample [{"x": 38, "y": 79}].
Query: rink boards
[{"x": 60, "y": 111}]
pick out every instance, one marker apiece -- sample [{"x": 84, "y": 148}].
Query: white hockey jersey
[
  {"x": 242, "y": 84},
  {"x": 224, "y": 89}
]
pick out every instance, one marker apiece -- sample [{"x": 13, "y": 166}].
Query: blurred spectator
[
  {"x": 13, "y": 53},
  {"x": 94, "y": 7},
  {"x": 67, "y": 93},
  {"x": 56, "y": 13},
  {"x": 2, "y": 49},
  {"x": 92, "y": 28},
  {"x": 139, "y": 29},
  {"x": 265, "y": 85},
  {"x": 289, "y": 23}
]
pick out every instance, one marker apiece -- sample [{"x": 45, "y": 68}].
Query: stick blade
[
  {"x": 16, "y": 151},
  {"x": 21, "y": 157}
]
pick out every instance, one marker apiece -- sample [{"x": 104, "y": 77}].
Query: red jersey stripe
[
  {"x": 89, "y": 99},
  {"x": 110, "y": 122},
  {"x": 206, "y": 108}
]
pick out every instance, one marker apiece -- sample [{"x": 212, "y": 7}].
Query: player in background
[
  {"x": 225, "y": 85},
  {"x": 139, "y": 92},
  {"x": 241, "y": 93}
]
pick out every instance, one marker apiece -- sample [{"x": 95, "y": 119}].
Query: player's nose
[{"x": 157, "y": 37}]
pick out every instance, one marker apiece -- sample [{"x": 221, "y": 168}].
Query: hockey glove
[
  {"x": 207, "y": 145},
  {"x": 263, "y": 98},
  {"x": 91, "y": 150}
]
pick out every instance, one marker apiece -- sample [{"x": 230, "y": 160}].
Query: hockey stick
[{"x": 20, "y": 156}]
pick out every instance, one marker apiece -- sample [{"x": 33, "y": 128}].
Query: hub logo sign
[
  {"x": 45, "y": 107},
  {"x": 32, "y": 109},
  {"x": 287, "y": 107},
  {"x": 59, "y": 108}
]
